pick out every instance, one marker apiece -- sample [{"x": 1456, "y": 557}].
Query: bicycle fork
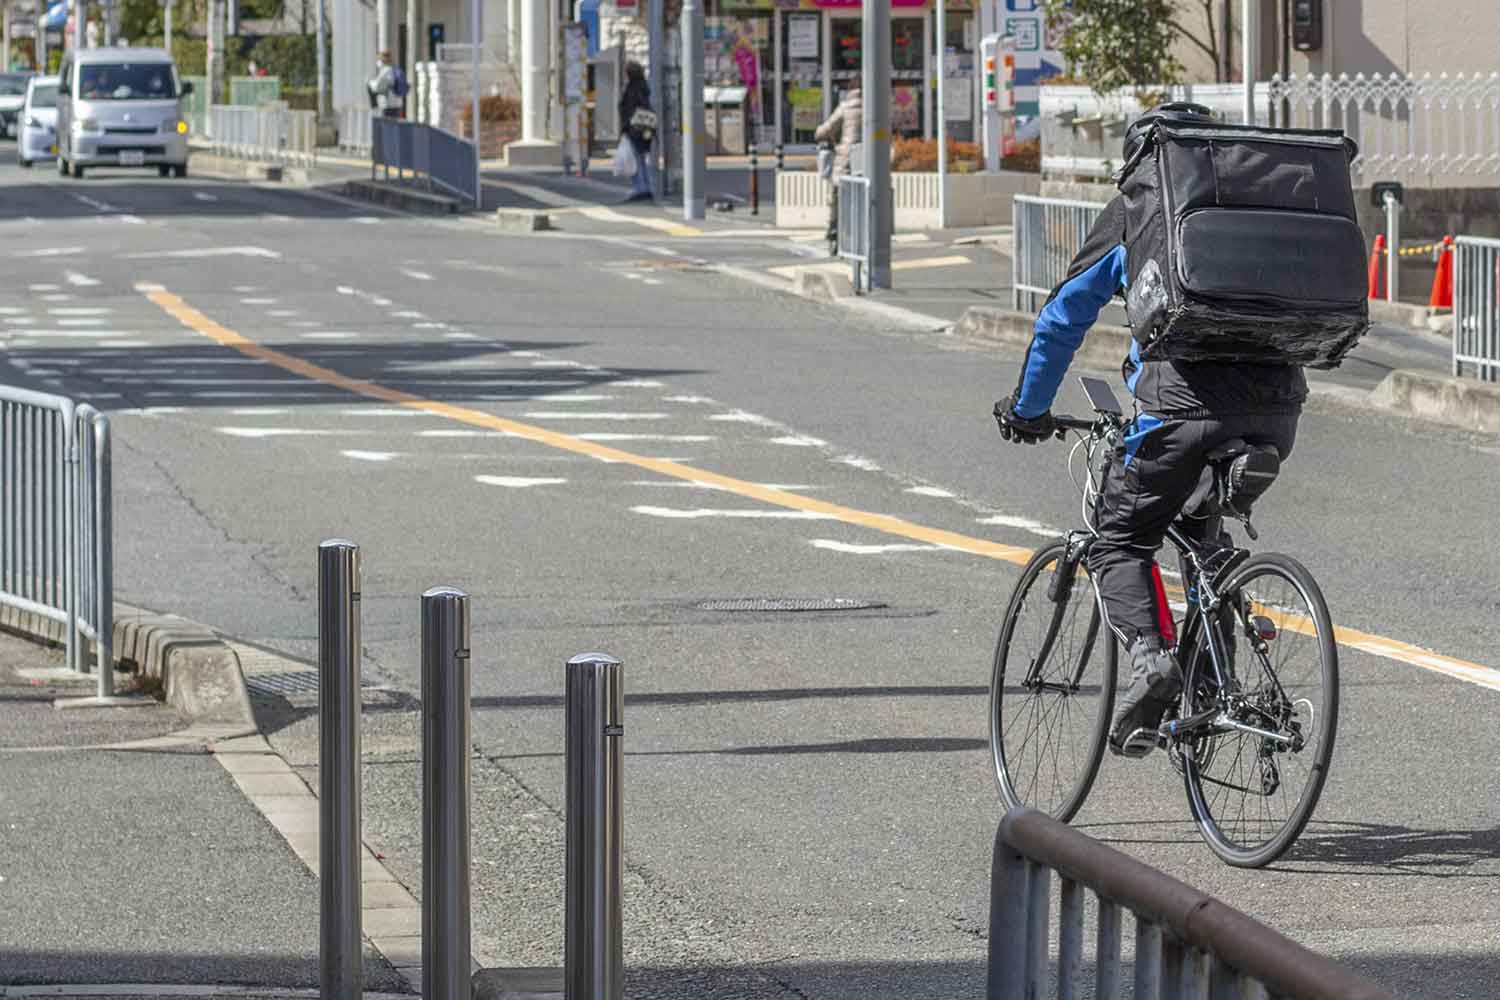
[{"x": 1059, "y": 592}]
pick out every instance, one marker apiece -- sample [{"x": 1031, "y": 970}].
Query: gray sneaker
[{"x": 1155, "y": 683}]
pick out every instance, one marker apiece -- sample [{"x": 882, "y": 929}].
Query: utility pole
[
  {"x": 80, "y": 15},
  {"x": 657, "y": 56},
  {"x": 166, "y": 23},
  {"x": 876, "y": 46},
  {"x": 215, "y": 67},
  {"x": 5, "y": 35},
  {"x": 322, "y": 42},
  {"x": 382, "y": 25},
  {"x": 942, "y": 115},
  {"x": 413, "y": 42},
  {"x": 1250, "y": 54},
  {"x": 694, "y": 154}
]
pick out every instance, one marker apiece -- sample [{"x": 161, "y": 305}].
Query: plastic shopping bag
[{"x": 625, "y": 164}]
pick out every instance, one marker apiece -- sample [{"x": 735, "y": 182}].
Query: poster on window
[
  {"x": 958, "y": 95},
  {"x": 906, "y": 114},
  {"x": 802, "y": 37},
  {"x": 807, "y": 107}
]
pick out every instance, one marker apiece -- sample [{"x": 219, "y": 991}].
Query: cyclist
[{"x": 1184, "y": 411}]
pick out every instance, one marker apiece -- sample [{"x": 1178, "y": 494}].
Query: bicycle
[{"x": 1250, "y": 721}]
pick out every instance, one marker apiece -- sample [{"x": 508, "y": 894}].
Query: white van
[{"x": 121, "y": 108}]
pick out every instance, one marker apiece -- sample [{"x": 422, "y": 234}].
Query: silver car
[
  {"x": 12, "y": 93},
  {"x": 121, "y": 108},
  {"x": 38, "y": 136}
]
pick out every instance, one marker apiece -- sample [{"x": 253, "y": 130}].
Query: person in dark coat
[{"x": 638, "y": 122}]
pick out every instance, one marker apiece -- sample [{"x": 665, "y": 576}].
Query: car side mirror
[{"x": 187, "y": 87}]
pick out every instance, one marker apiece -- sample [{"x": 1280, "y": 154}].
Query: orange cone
[
  {"x": 1442, "y": 281},
  {"x": 1377, "y": 268}
]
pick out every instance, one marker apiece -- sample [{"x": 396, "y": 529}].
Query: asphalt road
[{"x": 809, "y": 796}]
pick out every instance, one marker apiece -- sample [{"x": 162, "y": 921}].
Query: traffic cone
[
  {"x": 1377, "y": 268},
  {"x": 1442, "y": 281}
]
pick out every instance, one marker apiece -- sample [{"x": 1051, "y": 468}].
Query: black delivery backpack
[{"x": 1242, "y": 245}]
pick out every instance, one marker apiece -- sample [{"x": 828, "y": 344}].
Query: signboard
[
  {"x": 807, "y": 107},
  {"x": 802, "y": 33},
  {"x": 1036, "y": 52}
]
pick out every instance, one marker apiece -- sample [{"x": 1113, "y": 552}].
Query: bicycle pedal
[{"x": 1138, "y": 744}]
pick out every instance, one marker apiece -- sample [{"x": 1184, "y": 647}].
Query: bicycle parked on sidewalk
[{"x": 1253, "y": 732}]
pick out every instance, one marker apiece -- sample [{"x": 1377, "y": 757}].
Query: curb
[
  {"x": 522, "y": 220},
  {"x": 1409, "y": 315},
  {"x": 200, "y": 673},
  {"x": 1446, "y": 399},
  {"x": 1105, "y": 346},
  {"x": 399, "y": 197},
  {"x": 243, "y": 170},
  {"x": 806, "y": 284}
]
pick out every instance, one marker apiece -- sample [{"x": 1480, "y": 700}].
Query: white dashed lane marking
[
  {"x": 930, "y": 491},
  {"x": 874, "y": 550},
  {"x": 702, "y": 512},
  {"x": 566, "y": 415},
  {"x": 370, "y": 456},
  {"x": 518, "y": 482}
]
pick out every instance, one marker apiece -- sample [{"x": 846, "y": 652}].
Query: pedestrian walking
[
  {"x": 639, "y": 123},
  {"x": 843, "y": 129},
  {"x": 388, "y": 87}
]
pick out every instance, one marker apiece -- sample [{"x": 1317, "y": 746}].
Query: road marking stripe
[
  {"x": 874, "y": 550},
  {"x": 193, "y": 319},
  {"x": 924, "y": 263},
  {"x": 699, "y": 512},
  {"x": 517, "y": 482},
  {"x": 660, "y": 225}
]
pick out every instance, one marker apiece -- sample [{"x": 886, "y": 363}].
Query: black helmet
[{"x": 1176, "y": 111}]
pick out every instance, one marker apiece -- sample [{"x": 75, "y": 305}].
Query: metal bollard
[
  {"x": 446, "y": 750},
  {"x": 754, "y": 181},
  {"x": 780, "y": 158},
  {"x": 340, "y": 949},
  {"x": 594, "y": 964}
]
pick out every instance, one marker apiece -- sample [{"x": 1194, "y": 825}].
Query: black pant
[{"x": 1145, "y": 491}]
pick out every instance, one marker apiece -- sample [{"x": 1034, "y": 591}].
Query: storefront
[{"x": 798, "y": 57}]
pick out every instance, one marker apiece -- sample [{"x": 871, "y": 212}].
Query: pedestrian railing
[
  {"x": 56, "y": 517},
  {"x": 1429, "y": 130},
  {"x": 1476, "y": 307},
  {"x": 426, "y": 155},
  {"x": 1048, "y": 233},
  {"x": 854, "y": 227},
  {"x": 354, "y": 130},
  {"x": 1187, "y": 944},
  {"x": 272, "y": 133}
]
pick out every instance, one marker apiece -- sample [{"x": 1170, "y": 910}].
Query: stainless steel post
[
  {"x": 876, "y": 45},
  {"x": 445, "y": 795},
  {"x": 340, "y": 948},
  {"x": 657, "y": 57},
  {"x": 166, "y": 30},
  {"x": 1249, "y": 55},
  {"x": 941, "y": 31},
  {"x": 104, "y": 583},
  {"x": 1008, "y": 923},
  {"x": 1392, "y": 245},
  {"x": 594, "y": 964},
  {"x": 322, "y": 43},
  {"x": 694, "y": 152}
]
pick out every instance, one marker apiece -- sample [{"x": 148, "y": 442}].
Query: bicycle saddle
[{"x": 1236, "y": 475}]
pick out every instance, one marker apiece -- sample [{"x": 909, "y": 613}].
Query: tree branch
[{"x": 1177, "y": 26}]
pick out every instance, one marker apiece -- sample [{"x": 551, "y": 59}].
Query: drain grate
[
  {"x": 788, "y": 604},
  {"x": 291, "y": 682}
]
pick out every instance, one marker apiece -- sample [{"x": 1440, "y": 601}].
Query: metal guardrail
[
  {"x": 274, "y": 134},
  {"x": 56, "y": 521},
  {"x": 1048, "y": 234},
  {"x": 1476, "y": 307},
  {"x": 854, "y": 227},
  {"x": 1187, "y": 944},
  {"x": 431, "y": 156},
  {"x": 355, "y": 130}
]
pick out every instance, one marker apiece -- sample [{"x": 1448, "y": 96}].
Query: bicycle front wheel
[
  {"x": 1254, "y": 777},
  {"x": 1051, "y": 691}
]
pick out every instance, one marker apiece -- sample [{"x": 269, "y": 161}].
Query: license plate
[{"x": 132, "y": 158}]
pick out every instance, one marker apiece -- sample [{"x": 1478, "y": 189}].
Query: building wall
[{"x": 1404, "y": 36}]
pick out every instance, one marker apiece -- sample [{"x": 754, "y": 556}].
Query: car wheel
[
  {"x": 163, "y": 170},
  {"x": 78, "y": 170},
  {"x": 24, "y": 163},
  {"x": 179, "y": 170}
]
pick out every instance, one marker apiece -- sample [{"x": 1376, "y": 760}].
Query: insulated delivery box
[{"x": 1242, "y": 245}]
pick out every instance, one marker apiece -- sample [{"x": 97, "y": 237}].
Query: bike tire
[
  {"x": 1085, "y": 741},
  {"x": 1200, "y": 755}
]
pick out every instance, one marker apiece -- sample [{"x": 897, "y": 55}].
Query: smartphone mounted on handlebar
[{"x": 1101, "y": 396}]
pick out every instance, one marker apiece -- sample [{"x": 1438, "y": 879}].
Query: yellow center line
[{"x": 174, "y": 306}]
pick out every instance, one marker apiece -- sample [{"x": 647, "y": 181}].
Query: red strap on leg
[{"x": 1164, "y": 622}]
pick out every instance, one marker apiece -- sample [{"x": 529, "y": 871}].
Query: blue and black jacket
[{"x": 1164, "y": 389}]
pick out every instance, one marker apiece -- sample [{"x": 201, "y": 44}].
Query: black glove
[{"x": 1022, "y": 430}]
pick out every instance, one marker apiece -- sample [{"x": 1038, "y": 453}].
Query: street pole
[
  {"x": 876, "y": 45},
  {"x": 80, "y": 14},
  {"x": 656, "y": 55},
  {"x": 410, "y": 67},
  {"x": 215, "y": 53},
  {"x": 383, "y": 25},
  {"x": 694, "y": 153},
  {"x": 322, "y": 43},
  {"x": 5, "y": 59},
  {"x": 534, "y": 49},
  {"x": 942, "y": 116},
  {"x": 474, "y": 17},
  {"x": 1250, "y": 54},
  {"x": 166, "y": 23}
]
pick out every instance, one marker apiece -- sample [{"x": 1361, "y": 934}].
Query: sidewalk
[{"x": 140, "y": 863}]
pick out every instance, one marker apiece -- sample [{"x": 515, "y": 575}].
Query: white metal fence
[
  {"x": 854, "y": 227},
  {"x": 1428, "y": 131},
  {"x": 56, "y": 516},
  {"x": 1476, "y": 308},
  {"x": 354, "y": 130},
  {"x": 1048, "y": 234},
  {"x": 272, "y": 133}
]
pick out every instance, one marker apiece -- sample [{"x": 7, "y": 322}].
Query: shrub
[
  {"x": 493, "y": 110},
  {"x": 1026, "y": 158},
  {"x": 920, "y": 155}
]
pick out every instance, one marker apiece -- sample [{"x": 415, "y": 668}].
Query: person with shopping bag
[
  {"x": 843, "y": 129},
  {"x": 638, "y": 123}
]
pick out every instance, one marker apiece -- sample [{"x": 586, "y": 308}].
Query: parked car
[
  {"x": 12, "y": 96},
  {"x": 38, "y": 137},
  {"x": 121, "y": 107}
]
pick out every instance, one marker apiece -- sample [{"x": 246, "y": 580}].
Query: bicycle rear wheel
[
  {"x": 1252, "y": 793},
  {"x": 1049, "y": 714}
]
